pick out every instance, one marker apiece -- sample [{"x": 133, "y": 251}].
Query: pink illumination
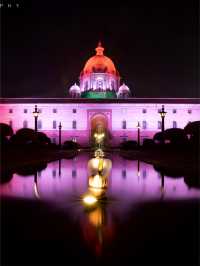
[
  {"x": 126, "y": 186},
  {"x": 115, "y": 113}
]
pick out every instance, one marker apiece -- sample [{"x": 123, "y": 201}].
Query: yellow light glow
[
  {"x": 89, "y": 200},
  {"x": 97, "y": 181}
]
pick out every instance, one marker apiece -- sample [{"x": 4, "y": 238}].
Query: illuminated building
[{"x": 99, "y": 100}]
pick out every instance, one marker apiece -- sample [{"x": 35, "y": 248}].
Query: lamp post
[
  {"x": 163, "y": 114},
  {"x": 138, "y": 134},
  {"x": 60, "y": 127},
  {"x": 36, "y": 114}
]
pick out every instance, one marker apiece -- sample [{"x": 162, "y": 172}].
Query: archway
[{"x": 99, "y": 133}]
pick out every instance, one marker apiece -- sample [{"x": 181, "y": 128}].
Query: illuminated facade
[{"x": 99, "y": 99}]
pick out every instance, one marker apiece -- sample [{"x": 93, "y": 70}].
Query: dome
[
  {"x": 123, "y": 88},
  {"x": 99, "y": 63},
  {"x": 123, "y": 91},
  {"x": 75, "y": 89}
]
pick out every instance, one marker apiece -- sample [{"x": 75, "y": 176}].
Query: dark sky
[{"x": 152, "y": 43}]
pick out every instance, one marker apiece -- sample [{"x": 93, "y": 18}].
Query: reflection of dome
[
  {"x": 123, "y": 91},
  {"x": 99, "y": 63}
]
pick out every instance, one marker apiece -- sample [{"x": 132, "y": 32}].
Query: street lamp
[
  {"x": 163, "y": 114},
  {"x": 36, "y": 114},
  {"x": 60, "y": 127},
  {"x": 138, "y": 133}
]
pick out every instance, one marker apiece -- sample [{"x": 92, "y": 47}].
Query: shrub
[
  {"x": 70, "y": 145},
  {"x": 128, "y": 145},
  {"x": 148, "y": 143}
]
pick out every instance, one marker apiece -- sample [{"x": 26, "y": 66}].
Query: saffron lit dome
[{"x": 99, "y": 63}]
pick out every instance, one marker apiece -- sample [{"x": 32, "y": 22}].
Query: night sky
[{"x": 153, "y": 44}]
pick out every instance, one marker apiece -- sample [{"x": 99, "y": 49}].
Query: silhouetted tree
[
  {"x": 42, "y": 138},
  {"x": 175, "y": 136},
  {"x": 24, "y": 136},
  {"x": 128, "y": 145},
  {"x": 5, "y": 130},
  {"x": 158, "y": 137},
  {"x": 193, "y": 129},
  {"x": 71, "y": 145}
]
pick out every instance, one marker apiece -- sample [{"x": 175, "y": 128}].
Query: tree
[
  {"x": 70, "y": 145},
  {"x": 24, "y": 136},
  {"x": 5, "y": 130},
  {"x": 193, "y": 130},
  {"x": 128, "y": 145},
  {"x": 175, "y": 136},
  {"x": 158, "y": 137},
  {"x": 42, "y": 138}
]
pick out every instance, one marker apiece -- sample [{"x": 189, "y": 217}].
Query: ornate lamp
[{"x": 36, "y": 114}]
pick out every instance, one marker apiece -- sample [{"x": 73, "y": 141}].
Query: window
[
  {"x": 74, "y": 124},
  {"x": 159, "y": 124},
  {"x": 39, "y": 125},
  {"x": 159, "y": 110},
  {"x": 189, "y": 111},
  {"x": 74, "y": 111},
  {"x": 40, "y": 110},
  {"x": 54, "y": 173},
  {"x": 144, "y": 111},
  {"x": 144, "y": 173},
  {"x": 54, "y": 140},
  {"x": 25, "y": 124},
  {"x": 124, "y": 124},
  {"x": 174, "y": 111},
  {"x": 124, "y": 173},
  {"x": 174, "y": 124},
  {"x": 10, "y": 111},
  {"x": 54, "y": 124},
  {"x": 74, "y": 139},
  {"x": 74, "y": 173},
  {"x": 10, "y": 123},
  {"x": 54, "y": 110},
  {"x": 144, "y": 124},
  {"x": 25, "y": 111}
]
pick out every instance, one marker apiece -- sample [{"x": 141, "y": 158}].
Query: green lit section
[{"x": 98, "y": 94}]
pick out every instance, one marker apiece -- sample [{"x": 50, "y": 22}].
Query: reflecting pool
[{"x": 138, "y": 210}]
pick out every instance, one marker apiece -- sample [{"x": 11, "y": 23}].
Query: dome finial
[{"x": 99, "y": 49}]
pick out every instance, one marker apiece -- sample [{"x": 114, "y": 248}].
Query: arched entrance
[{"x": 99, "y": 130}]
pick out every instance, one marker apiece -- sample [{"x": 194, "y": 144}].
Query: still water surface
[{"x": 131, "y": 184}]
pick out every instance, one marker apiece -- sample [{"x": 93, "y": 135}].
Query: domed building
[
  {"x": 99, "y": 78},
  {"x": 99, "y": 107}
]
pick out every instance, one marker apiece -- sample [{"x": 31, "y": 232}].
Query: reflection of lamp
[
  {"x": 162, "y": 184},
  {"x": 59, "y": 167},
  {"x": 138, "y": 133},
  {"x": 36, "y": 114},
  {"x": 35, "y": 188},
  {"x": 60, "y": 127},
  {"x": 138, "y": 169}
]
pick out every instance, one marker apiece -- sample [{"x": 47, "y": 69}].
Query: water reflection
[
  {"x": 67, "y": 179},
  {"x": 115, "y": 187}
]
